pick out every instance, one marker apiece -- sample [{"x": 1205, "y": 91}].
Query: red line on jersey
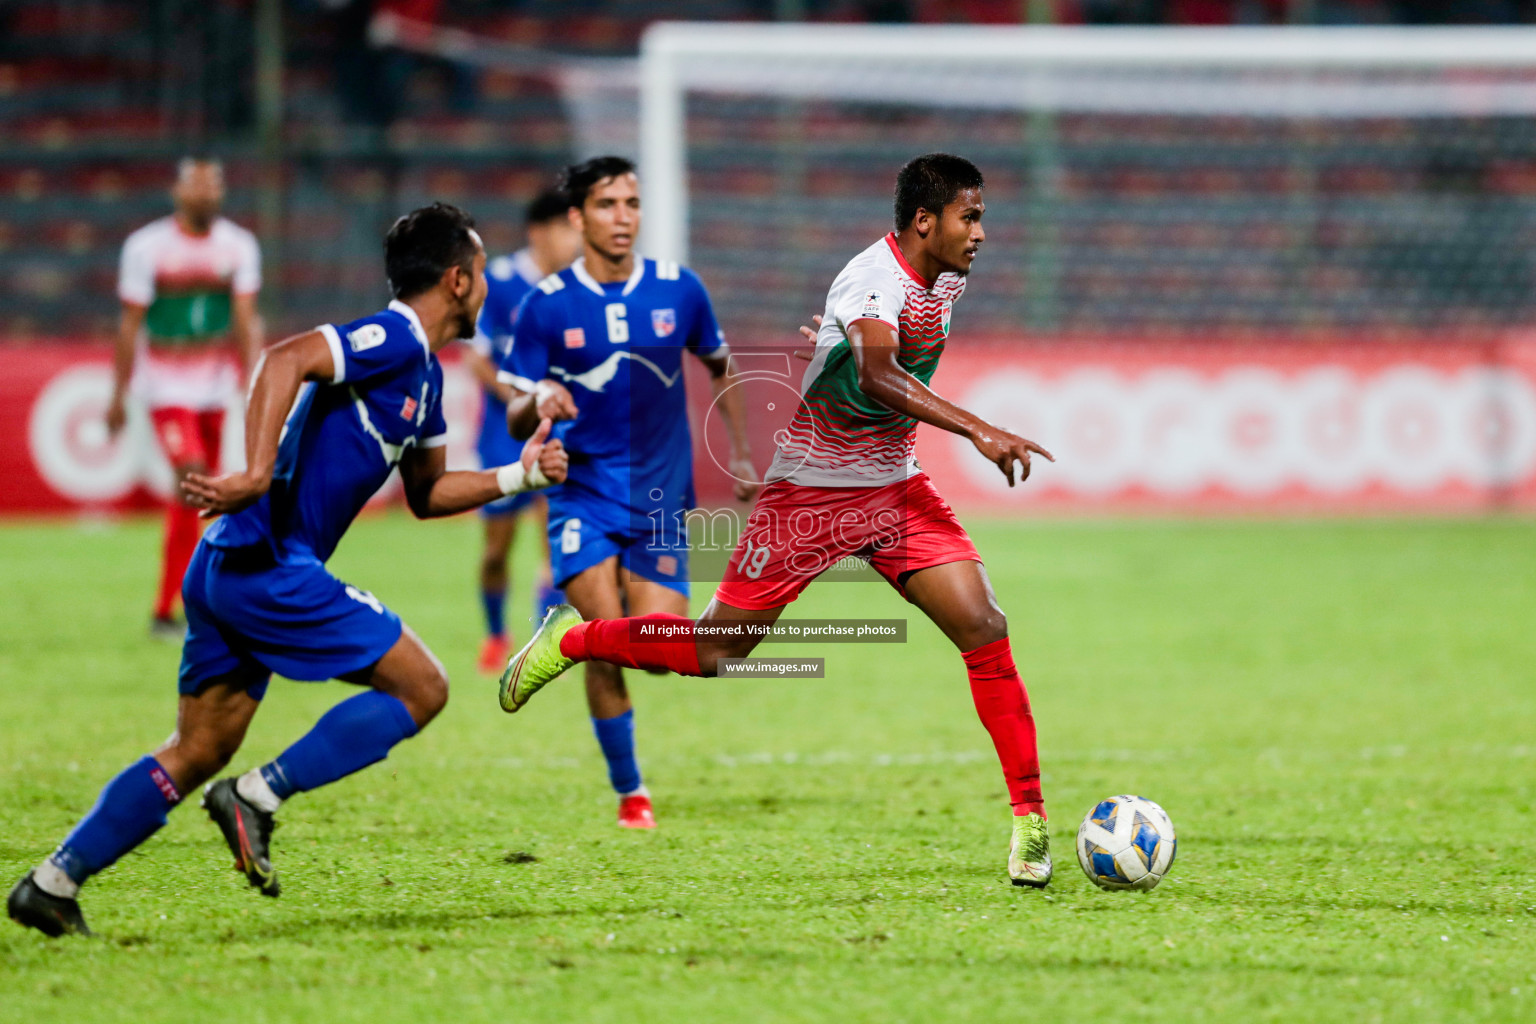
[{"x": 890, "y": 240}]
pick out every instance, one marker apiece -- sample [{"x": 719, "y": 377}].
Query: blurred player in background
[
  {"x": 552, "y": 244},
  {"x": 187, "y": 333},
  {"x": 331, "y": 414},
  {"x": 599, "y": 350},
  {"x": 844, "y": 483}
]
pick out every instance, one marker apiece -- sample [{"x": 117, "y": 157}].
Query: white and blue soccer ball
[{"x": 1126, "y": 842}]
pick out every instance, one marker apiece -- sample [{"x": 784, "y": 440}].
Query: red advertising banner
[
  {"x": 1258, "y": 426},
  {"x": 55, "y": 396},
  {"x": 1271, "y": 426}
]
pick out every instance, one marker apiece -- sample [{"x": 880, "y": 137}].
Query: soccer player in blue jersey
[
  {"x": 330, "y": 414},
  {"x": 598, "y": 349},
  {"x": 552, "y": 243}
]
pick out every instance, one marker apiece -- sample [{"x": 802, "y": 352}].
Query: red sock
[
  {"x": 181, "y": 534},
  {"x": 632, "y": 643},
  {"x": 1003, "y": 705}
]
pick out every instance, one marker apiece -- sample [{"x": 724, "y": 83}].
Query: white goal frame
[{"x": 865, "y": 62}]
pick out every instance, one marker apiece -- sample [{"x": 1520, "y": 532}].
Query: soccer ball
[{"x": 1126, "y": 842}]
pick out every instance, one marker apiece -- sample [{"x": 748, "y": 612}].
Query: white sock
[
  {"x": 642, "y": 791},
  {"x": 255, "y": 790},
  {"x": 53, "y": 881}
]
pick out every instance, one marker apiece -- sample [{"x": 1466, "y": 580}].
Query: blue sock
[
  {"x": 545, "y": 598},
  {"x": 131, "y": 808},
  {"x": 349, "y": 737},
  {"x": 495, "y": 617},
  {"x": 617, "y": 738}
]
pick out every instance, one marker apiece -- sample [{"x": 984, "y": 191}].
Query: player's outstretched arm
[
  {"x": 274, "y": 385},
  {"x": 432, "y": 491},
  {"x": 129, "y": 321},
  {"x": 722, "y": 379},
  {"x": 882, "y": 378},
  {"x": 248, "y": 331}
]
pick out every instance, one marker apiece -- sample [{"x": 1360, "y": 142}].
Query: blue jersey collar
[
  {"x": 414, "y": 321},
  {"x": 579, "y": 269}
]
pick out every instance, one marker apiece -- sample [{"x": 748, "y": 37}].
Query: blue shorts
[
  {"x": 495, "y": 447},
  {"x": 583, "y": 535},
  {"x": 249, "y": 615}
]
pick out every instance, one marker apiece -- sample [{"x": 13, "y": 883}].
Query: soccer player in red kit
[
  {"x": 188, "y": 332},
  {"x": 844, "y": 483}
]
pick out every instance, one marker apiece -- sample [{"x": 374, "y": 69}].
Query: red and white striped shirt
[{"x": 839, "y": 436}]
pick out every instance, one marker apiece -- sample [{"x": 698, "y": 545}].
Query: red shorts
[
  {"x": 795, "y": 534},
  {"x": 189, "y": 437}
]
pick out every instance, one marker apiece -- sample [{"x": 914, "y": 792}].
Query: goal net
[
  {"x": 1179, "y": 183},
  {"x": 1258, "y": 268}
]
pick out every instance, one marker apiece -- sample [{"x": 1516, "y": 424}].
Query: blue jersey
[
  {"x": 342, "y": 438},
  {"x": 618, "y": 348},
  {"x": 508, "y": 279}
]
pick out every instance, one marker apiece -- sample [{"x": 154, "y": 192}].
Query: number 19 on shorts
[{"x": 753, "y": 558}]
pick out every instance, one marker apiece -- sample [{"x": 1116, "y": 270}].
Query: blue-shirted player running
[
  {"x": 552, "y": 243},
  {"x": 331, "y": 413},
  {"x": 599, "y": 349}
]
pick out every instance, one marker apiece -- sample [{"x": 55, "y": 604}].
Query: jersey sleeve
[
  {"x": 434, "y": 431},
  {"x": 247, "y": 276},
  {"x": 366, "y": 349},
  {"x": 527, "y": 359},
  {"x": 136, "y": 270},
  {"x": 869, "y": 293},
  {"x": 705, "y": 338}
]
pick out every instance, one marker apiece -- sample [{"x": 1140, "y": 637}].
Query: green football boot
[
  {"x": 540, "y": 660},
  {"x": 1029, "y": 853}
]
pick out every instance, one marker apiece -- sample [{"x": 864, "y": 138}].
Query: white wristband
[{"x": 512, "y": 479}]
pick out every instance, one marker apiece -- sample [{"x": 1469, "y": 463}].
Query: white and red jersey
[
  {"x": 839, "y": 436},
  {"x": 187, "y": 284}
]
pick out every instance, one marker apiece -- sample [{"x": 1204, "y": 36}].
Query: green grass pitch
[{"x": 1340, "y": 718}]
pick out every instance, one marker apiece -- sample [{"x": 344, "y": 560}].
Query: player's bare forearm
[
  {"x": 129, "y": 322},
  {"x": 485, "y": 372},
  {"x": 275, "y": 383},
  {"x": 727, "y": 398},
  {"x": 895, "y": 388},
  {"x": 454, "y": 492},
  {"x": 522, "y": 415},
  {"x": 431, "y": 490},
  {"x": 549, "y": 400},
  {"x": 247, "y": 331},
  {"x": 882, "y": 378}
]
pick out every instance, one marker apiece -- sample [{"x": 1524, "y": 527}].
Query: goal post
[
  {"x": 1284, "y": 74},
  {"x": 899, "y": 63},
  {"x": 1277, "y": 268},
  {"x": 1254, "y": 267}
]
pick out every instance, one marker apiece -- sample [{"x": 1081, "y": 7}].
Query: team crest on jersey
[
  {"x": 366, "y": 337},
  {"x": 575, "y": 337},
  {"x": 663, "y": 322},
  {"x": 871, "y": 305},
  {"x": 408, "y": 409},
  {"x": 949, "y": 307}
]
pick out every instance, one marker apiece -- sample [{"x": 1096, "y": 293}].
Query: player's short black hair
[
  {"x": 579, "y": 178},
  {"x": 932, "y": 182},
  {"x": 423, "y": 244},
  {"x": 551, "y": 204},
  {"x": 197, "y": 159}
]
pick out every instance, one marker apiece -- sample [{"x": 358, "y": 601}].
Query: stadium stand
[{"x": 1154, "y": 225}]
